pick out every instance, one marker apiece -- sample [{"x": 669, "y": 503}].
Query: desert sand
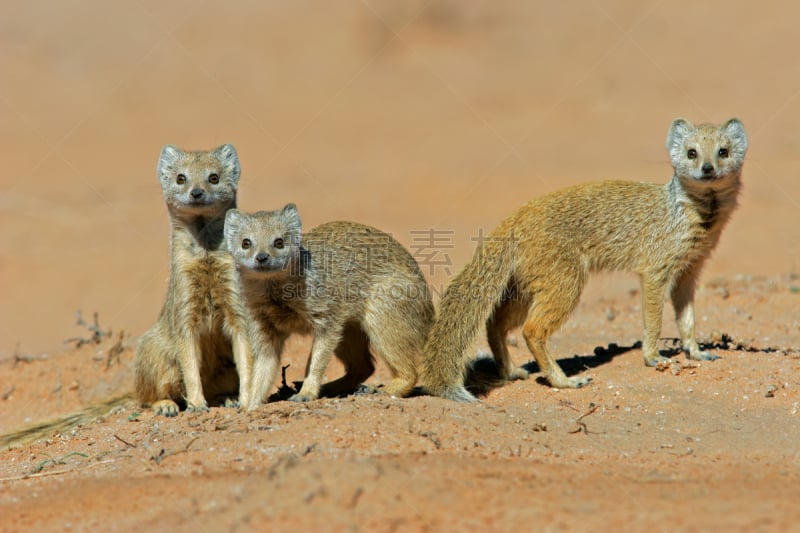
[{"x": 415, "y": 117}]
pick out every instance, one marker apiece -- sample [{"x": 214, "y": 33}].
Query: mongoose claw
[
  {"x": 520, "y": 373},
  {"x": 575, "y": 382},
  {"x": 302, "y": 398},
  {"x": 230, "y": 402},
  {"x": 364, "y": 389},
  {"x": 655, "y": 361},
  {"x": 703, "y": 356},
  {"x": 166, "y": 408},
  {"x": 197, "y": 408}
]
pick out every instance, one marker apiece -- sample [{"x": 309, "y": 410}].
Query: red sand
[{"x": 437, "y": 115}]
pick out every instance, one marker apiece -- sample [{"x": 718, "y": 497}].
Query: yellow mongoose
[
  {"x": 200, "y": 340},
  {"x": 354, "y": 287},
  {"x": 532, "y": 268}
]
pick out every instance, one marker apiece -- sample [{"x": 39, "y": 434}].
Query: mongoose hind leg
[
  {"x": 353, "y": 352},
  {"x": 223, "y": 387},
  {"x": 508, "y": 315},
  {"x": 399, "y": 344},
  {"x": 551, "y": 307},
  {"x": 158, "y": 380}
]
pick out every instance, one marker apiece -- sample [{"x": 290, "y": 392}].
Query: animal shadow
[{"x": 579, "y": 363}]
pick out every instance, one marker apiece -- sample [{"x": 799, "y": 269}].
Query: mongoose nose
[
  {"x": 198, "y": 193},
  {"x": 708, "y": 168},
  {"x": 262, "y": 258}
]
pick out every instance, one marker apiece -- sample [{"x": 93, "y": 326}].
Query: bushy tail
[
  {"x": 41, "y": 430},
  {"x": 482, "y": 375},
  {"x": 468, "y": 302}
]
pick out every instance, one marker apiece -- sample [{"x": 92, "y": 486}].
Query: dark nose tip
[
  {"x": 262, "y": 258},
  {"x": 197, "y": 193},
  {"x": 708, "y": 168}
]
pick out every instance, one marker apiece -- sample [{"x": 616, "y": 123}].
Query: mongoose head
[
  {"x": 707, "y": 155},
  {"x": 199, "y": 183},
  {"x": 263, "y": 243}
]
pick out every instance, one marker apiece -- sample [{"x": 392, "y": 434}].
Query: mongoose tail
[
  {"x": 41, "y": 430},
  {"x": 468, "y": 302}
]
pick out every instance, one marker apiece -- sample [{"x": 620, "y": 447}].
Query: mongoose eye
[
  {"x": 181, "y": 179},
  {"x": 246, "y": 244},
  {"x": 723, "y": 152},
  {"x": 213, "y": 179},
  {"x": 692, "y": 153},
  {"x": 278, "y": 243}
]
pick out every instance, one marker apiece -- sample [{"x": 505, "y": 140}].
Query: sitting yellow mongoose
[
  {"x": 198, "y": 348},
  {"x": 532, "y": 268}
]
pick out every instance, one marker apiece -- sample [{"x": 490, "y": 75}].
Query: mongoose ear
[
  {"x": 735, "y": 130},
  {"x": 678, "y": 131},
  {"x": 233, "y": 219},
  {"x": 226, "y": 154},
  {"x": 292, "y": 217},
  {"x": 169, "y": 156}
]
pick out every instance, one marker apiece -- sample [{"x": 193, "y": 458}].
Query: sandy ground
[{"x": 412, "y": 116}]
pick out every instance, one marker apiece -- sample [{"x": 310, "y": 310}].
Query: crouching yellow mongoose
[
  {"x": 200, "y": 340},
  {"x": 532, "y": 268},
  {"x": 354, "y": 287}
]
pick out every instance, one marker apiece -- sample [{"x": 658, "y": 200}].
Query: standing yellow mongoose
[
  {"x": 532, "y": 268},
  {"x": 200, "y": 339},
  {"x": 354, "y": 287}
]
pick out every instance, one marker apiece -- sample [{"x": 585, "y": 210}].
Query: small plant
[
  {"x": 61, "y": 461},
  {"x": 97, "y": 333}
]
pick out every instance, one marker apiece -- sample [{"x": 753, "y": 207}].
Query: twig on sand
[
  {"x": 163, "y": 454},
  {"x": 581, "y": 425},
  {"x": 123, "y": 441},
  {"x": 54, "y": 472}
]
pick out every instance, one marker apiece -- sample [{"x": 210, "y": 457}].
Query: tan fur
[
  {"x": 200, "y": 339},
  {"x": 534, "y": 265},
  {"x": 355, "y": 288}
]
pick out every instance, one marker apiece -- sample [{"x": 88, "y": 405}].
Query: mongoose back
[
  {"x": 354, "y": 287},
  {"x": 193, "y": 350},
  {"x": 532, "y": 268}
]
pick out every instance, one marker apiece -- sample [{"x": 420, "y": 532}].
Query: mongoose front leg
[
  {"x": 243, "y": 357},
  {"x": 190, "y": 369},
  {"x": 321, "y": 352},
  {"x": 266, "y": 360},
  {"x": 496, "y": 330},
  {"x": 683, "y": 302},
  {"x": 653, "y": 310}
]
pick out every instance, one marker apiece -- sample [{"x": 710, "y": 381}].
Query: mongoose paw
[
  {"x": 302, "y": 398},
  {"x": 166, "y": 408},
  {"x": 201, "y": 408},
  {"x": 703, "y": 356},
  {"x": 518, "y": 373},
  {"x": 575, "y": 382},
  {"x": 658, "y": 360},
  {"x": 365, "y": 389},
  {"x": 231, "y": 402}
]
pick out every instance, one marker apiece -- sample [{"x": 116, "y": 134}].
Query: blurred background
[{"x": 413, "y": 116}]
